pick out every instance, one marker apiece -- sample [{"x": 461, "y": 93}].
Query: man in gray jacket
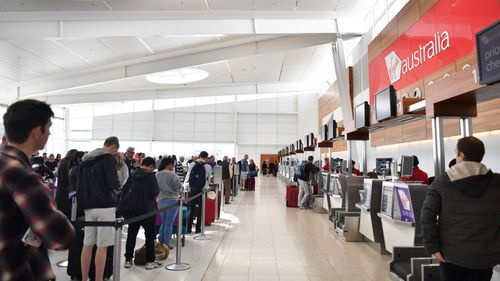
[{"x": 461, "y": 216}]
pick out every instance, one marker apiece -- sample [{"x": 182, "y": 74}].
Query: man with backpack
[
  {"x": 96, "y": 191},
  {"x": 197, "y": 177},
  {"x": 138, "y": 198},
  {"x": 304, "y": 178}
]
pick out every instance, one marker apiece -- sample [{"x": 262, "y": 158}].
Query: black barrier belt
[{"x": 117, "y": 224}]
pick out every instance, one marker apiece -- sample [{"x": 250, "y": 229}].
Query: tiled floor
[
  {"x": 260, "y": 239},
  {"x": 272, "y": 242}
]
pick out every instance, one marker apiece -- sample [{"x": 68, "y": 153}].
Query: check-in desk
[
  {"x": 346, "y": 219},
  {"x": 370, "y": 224},
  {"x": 400, "y": 209},
  {"x": 334, "y": 194}
]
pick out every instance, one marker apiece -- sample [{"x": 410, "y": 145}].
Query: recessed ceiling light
[{"x": 177, "y": 76}]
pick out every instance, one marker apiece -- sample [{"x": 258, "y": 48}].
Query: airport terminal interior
[{"x": 376, "y": 92}]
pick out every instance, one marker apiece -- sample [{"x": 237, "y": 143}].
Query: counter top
[{"x": 388, "y": 218}]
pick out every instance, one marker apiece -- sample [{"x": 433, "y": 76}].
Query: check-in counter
[
  {"x": 400, "y": 209},
  {"x": 370, "y": 224},
  {"x": 346, "y": 219}
]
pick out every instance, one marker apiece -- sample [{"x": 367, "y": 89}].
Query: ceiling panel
[
  {"x": 157, "y": 4},
  {"x": 257, "y": 68},
  {"x": 50, "y": 51},
  {"x": 163, "y": 44},
  {"x": 295, "y": 63},
  {"x": 274, "y": 4},
  {"x": 317, "y": 5},
  {"x": 230, "y": 4},
  {"x": 14, "y": 56},
  {"x": 25, "y": 5},
  {"x": 91, "y": 49},
  {"x": 321, "y": 59},
  {"x": 78, "y": 5},
  {"x": 125, "y": 47},
  {"x": 348, "y": 5}
]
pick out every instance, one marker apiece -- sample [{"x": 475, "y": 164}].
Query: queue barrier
[{"x": 118, "y": 224}]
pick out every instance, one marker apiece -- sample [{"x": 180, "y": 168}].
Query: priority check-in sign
[{"x": 443, "y": 35}]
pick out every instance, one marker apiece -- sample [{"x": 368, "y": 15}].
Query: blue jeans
[{"x": 167, "y": 220}]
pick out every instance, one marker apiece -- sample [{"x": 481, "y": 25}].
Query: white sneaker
[
  {"x": 128, "y": 264},
  {"x": 153, "y": 265}
]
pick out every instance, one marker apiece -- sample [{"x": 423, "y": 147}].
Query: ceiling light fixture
[{"x": 177, "y": 76}]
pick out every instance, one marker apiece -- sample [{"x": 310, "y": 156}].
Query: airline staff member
[
  {"x": 354, "y": 170},
  {"x": 418, "y": 175},
  {"x": 326, "y": 166}
]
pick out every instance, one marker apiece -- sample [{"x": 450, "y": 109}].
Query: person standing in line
[
  {"x": 29, "y": 221},
  {"x": 226, "y": 180},
  {"x": 157, "y": 161},
  {"x": 62, "y": 192},
  {"x": 304, "y": 178},
  {"x": 244, "y": 171},
  {"x": 180, "y": 170},
  {"x": 122, "y": 169},
  {"x": 97, "y": 184},
  {"x": 143, "y": 179},
  {"x": 51, "y": 162},
  {"x": 264, "y": 168},
  {"x": 129, "y": 159},
  {"x": 461, "y": 216},
  {"x": 170, "y": 192},
  {"x": 197, "y": 178}
]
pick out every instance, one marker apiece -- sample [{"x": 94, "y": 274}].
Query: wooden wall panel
[
  {"x": 374, "y": 49},
  {"x": 394, "y": 135},
  {"x": 438, "y": 75},
  {"x": 451, "y": 127},
  {"x": 408, "y": 16},
  {"x": 339, "y": 146},
  {"x": 388, "y": 35},
  {"x": 426, "y": 5},
  {"x": 414, "y": 131},
  {"x": 410, "y": 89},
  {"x": 487, "y": 116}
]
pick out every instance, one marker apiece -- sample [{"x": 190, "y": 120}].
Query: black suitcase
[{"x": 74, "y": 262}]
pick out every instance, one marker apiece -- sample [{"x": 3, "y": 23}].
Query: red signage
[{"x": 444, "y": 34}]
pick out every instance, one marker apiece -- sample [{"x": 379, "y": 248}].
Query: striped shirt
[
  {"x": 26, "y": 203},
  {"x": 180, "y": 171}
]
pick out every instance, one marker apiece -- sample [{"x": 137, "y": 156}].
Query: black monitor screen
[
  {"x": 385, "y": 104},
  {"x": 406, "y": 166},
  {"x": 383, "y": 166},
  {"x": 324, "y": 132},
  {"x": 361, "y": 117}
]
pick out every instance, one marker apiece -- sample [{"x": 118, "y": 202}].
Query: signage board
[
  {"x": 444, "y": 34},
  {"x": 488, "y": 53}
]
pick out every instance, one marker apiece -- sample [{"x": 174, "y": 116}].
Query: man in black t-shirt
[{"x": 304, "y": 178}]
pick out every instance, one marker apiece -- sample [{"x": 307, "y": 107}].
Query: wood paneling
[
  {"x": 426, "y": 5},
  {"x": 451, "y": 127},
  {"x": 438, "y": 75},
  {"x": 374, "y": 49},
  {"x": 394, "y": 135},
  {"x": 487, "y": 116},
  {"x": 414, "y": 131},
  {"x": 408, "y": 16},
  {"x": 377, "y": 138},
  {"x": 388, "y": 35},
  {"x": 410, "y": 89},
  {"x": 470, "y": 59},
  {"x": 340, "y": 145}
]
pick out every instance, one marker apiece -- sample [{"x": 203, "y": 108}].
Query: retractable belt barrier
[{"x": 120, "y": 222}]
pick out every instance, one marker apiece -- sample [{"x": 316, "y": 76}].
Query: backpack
[
  {"x": 197, "y": 177},
  {"x": 161, "y": 253},
  {"x": 131, "y": 201},
  {"x": 298, "y": 172}
]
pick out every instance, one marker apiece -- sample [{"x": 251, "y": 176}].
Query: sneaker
[
  {"x": 152, "y": 265},
  {"x": 170, "y": 247},
  {"x": 128, "y": 264}
]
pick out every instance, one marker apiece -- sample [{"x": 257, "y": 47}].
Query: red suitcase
[
  {"x": 210, "y": 210},
  {"x": 315, "y": 188},
  {"x": 292, "y": 196},
  {"x": 250, "y": 184}
]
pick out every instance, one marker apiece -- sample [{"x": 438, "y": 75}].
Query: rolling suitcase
[
  {"x": 209, "y": 211},
  {"x": 292, "y": 196},
  {"x": 74, "y": 261},
  {"x": 250, "y": 184},
  {"x": 185, "y": 220},
  {"x": 315, "y": 187}
]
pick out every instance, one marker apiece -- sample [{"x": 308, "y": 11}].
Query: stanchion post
[
  {"x": 216, "y": 216},
  {"x": 178, "y": 265},
  {"x": 222, "y": 198},
  {"x": 202, "y": 235},
  {"x": 117, "y": 253}
]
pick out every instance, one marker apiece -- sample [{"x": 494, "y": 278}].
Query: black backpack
[
  {"x": 131, "y": 199},
  {"x": 197, "y": 177}
]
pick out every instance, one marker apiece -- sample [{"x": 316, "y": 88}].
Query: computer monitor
[
  {"x": 406, "y": 166},
  {"x": 324, "y": 132},
  {"x": 383, "y": 165},
  {"x": 343, "y": 166},
  {"x": 362, "y": 115},
  {"x": 385, "y": 104}
]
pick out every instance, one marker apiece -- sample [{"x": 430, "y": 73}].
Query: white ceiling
[{"x": 72, "y": 51}]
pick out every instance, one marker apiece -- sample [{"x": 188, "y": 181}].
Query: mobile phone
[{"x": 30, "y": 238}]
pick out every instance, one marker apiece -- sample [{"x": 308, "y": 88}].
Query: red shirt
[
  {"x": 418, "y": 175},
  {"x": 356, "y": 171},
  {"x": 326, "y": 167}
]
